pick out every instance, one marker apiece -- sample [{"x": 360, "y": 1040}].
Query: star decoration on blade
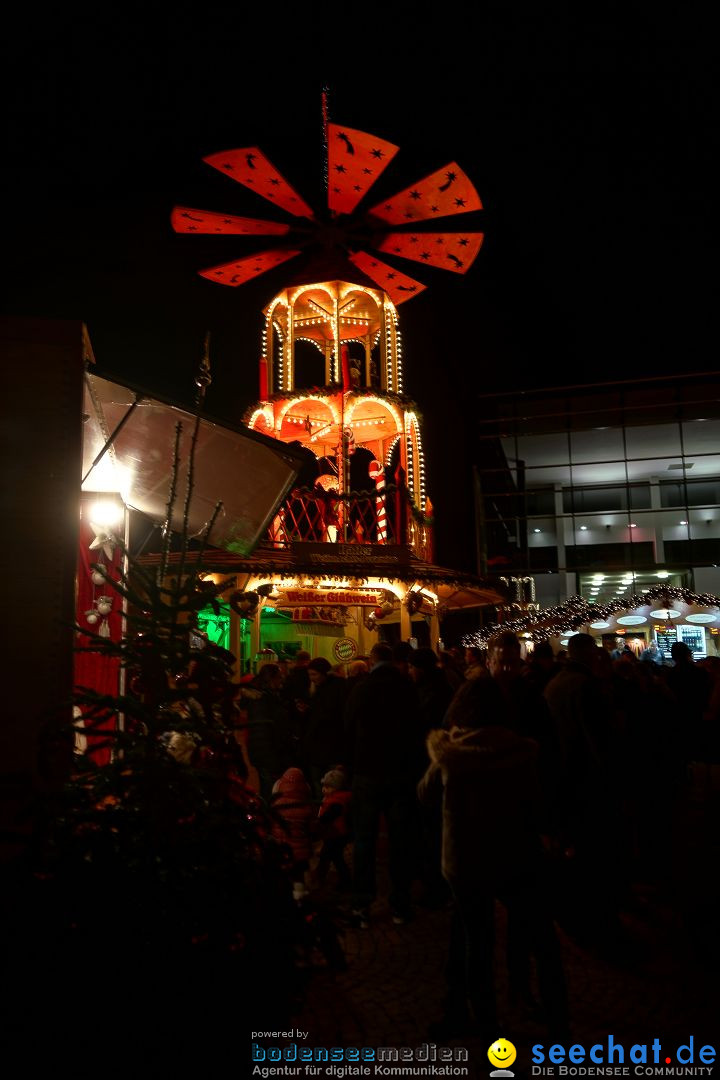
[{"x": 355, "y": 161}]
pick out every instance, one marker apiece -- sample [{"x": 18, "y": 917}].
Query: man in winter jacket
[
  {"x": 384, "y": 754},
  {"x": 486, "y": 775},
  {"x": 589, "y": 810},
  {"x": 324, "y": 740}
]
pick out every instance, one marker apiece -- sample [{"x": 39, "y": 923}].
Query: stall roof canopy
[
  {"x": 248, "y": 473},
  {"x": 454, "y": 589}
]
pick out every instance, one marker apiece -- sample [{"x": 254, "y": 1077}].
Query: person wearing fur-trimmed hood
[{"x": 486, "y": 775}]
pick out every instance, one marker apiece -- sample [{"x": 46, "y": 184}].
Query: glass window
[
  {"x": 579, "y": 500},
  {"x": 602, "y": 556},
  {"x": 690, "y": 493},
  {"x": 600, "y": 444},
  {"x": 691, "y": 552},
  {"x": 701, "y": 436},
  {"x": 610, "y": 472},
  {"x": 664, "y": 468},
  {"x": 703, "y": 492},
  {"x": 537, "y": 450},
  {"x": 639, "y": 496},
  {"x": 616, "y": 497},
  {"x": 547, "y": 477},
  {"x": 540, "y": 502},
  {"x": 543, "y": 558},
  {"x": 652, "y": 441}
]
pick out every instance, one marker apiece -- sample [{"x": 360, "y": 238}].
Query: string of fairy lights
[
  {"x": 576, "y": 613},
  {"x": 388, "y": 353},
  {"x": 398, "y": 352},
  {"x": 325, "y": 153}
]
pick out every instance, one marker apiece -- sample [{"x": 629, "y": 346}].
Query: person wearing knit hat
[
  {"x": 320, "y": 664},
  {"x": 333, "y": 826},
  {"x": 424, "y": 659},
  {"x": 335, "y": 778},
  {"x": 292, "y": 803}
]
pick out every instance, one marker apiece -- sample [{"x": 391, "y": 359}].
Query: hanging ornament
[
  {"x": 97, "y": 578},
  {"x": 103, "y": 540},
  {"x": 388, "y": 603},
  {"x": 413, "y": 602},
  {"x": 205, "y": 595},
  {"x": 104, "y": 604},
  {"x": 92, "y": 617},
  {"x": 244, "y": 604}
]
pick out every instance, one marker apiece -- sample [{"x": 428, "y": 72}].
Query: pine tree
[{"x": 153, "y": 901}]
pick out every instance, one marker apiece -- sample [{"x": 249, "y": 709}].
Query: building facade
[{"x": 603, "y": 492}]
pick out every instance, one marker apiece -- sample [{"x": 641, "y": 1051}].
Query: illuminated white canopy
[{"x": 249, "y": 473}]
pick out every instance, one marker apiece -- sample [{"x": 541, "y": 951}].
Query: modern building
[{"x": 604, "y": 492}]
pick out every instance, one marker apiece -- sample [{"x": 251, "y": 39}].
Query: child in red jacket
[
  {"x": 292, "y": 801},
  {"x": 333, "y": 826}
]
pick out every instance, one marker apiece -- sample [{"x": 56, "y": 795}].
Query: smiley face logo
[{"x": 502, "y": 1053}]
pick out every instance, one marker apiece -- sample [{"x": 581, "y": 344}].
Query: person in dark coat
[
  {"x": 384, "y": 750},
  {"x": 475, "y": 662},
  {"x": 454, "y": 671},
  {"x": 541, "y": 666},
  {"x": 324, "y": 741},
  {"x": 268, "y": 743},
  {"x": 527, "y": 713},
  {"x": 433, "y": 689},
  {"x": 622, "y": 649},
  {"x": 589, "y": 806},
  {"x": 356, "y": 672},
  {"x": 434, "y": 696},
  {"x": 653, "y": 656},
  {"x": 486, "y": 776},
  {"x": 296, "y": 695},
  {"x": 691, "y": 686}
]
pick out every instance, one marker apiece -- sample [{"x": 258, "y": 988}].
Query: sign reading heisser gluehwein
[{"x": 312, "y": 597}]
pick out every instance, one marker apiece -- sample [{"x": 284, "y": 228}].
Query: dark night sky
[{"x": 590, "y": 144}]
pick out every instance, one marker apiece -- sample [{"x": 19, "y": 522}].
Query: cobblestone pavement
[{"x": 663, "y": 984}]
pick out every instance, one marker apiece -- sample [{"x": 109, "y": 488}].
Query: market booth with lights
[{"x": 664, "y": 614}]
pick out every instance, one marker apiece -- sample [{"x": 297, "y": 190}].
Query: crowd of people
[{"x": 543, "y": 783}]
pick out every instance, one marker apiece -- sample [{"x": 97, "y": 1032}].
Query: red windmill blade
[
  {"x": 442, "y": 193},
  {"x": 250, "y": 167},
  {"x": 185, "y": 219},
  {"x": 447, "y": 251},
  {"x": 239, "y": 271},
  {"x": 355, "y": 161},
  {"x": 397, "y": 285}
]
